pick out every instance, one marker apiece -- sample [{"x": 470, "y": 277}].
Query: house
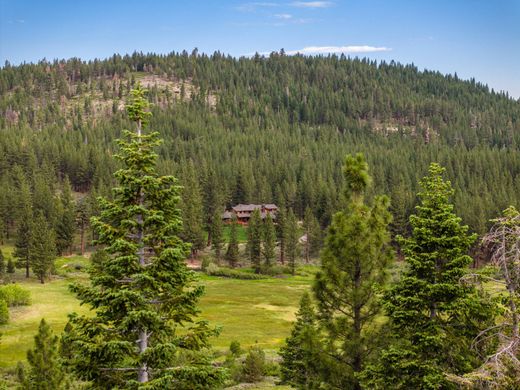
[{"x": 243, "y": 212}]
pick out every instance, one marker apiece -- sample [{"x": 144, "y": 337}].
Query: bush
[
  {"x": 205, "y": 263},
  {"x": 215, "y": 270},
  {"x": 235, "y": 349},
  {"x": 10, "y": 266},
  {"x": 4, "y": 312},
  {"x": 14, "y": 295},
  {"x": 253, "y": 369},
  {"x": 276, "y": 270}
]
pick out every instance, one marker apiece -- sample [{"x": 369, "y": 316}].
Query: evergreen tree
[
  {"x": 434, "y": 316},
  {"x": 44, "y": 371},
  {"x": 254, "y": 240},
  {"x": 192, "y": 232},
  {"x": 269, "y": 238},
  {"x": 312, "y": 233},
  {"x": 2, "y": 263},
  {"x": 292, "y": 246},
  {"x": 217, "y": 232},
  {"x": 83, "y": 215},
  {"x": 232, "y": 254},
  {"x": 300, "y": 354},
  {"x": 42, "y": 247},
  {"x": 281, "y": 217},
  {"x": 10, "y": 266},
  {"x": 142, "y": 294},
  {"x": 65, "y": 225},
  {"x": 354, "y": 259},
  {"x": 23, "y": 231}
]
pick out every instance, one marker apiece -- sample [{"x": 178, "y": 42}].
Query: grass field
[{"x": 249, "y": 311}]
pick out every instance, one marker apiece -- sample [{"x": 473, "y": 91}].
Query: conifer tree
[
  {"x": 23, "y": 231},
  {"x": 281, "y": 217},
  {"x": 254, "y": 240},
  {"x": 2, "y": 263},
  {"x": 144, "y": 299},
  {"x": 313, "y": 235},
  {"x": 192, "y": 232},
  {"x": 10, "y": 266},
  {"x": 82, "y": 221},
  {"x": 434, "y": 316},
  {"x": 300, "y": 365},
  {"x": 42, "y": 247},
  {"x": 292, "y": 247},
  {"x": 65, "y": 225},
  {"x": 354, "y": 259},
  {"x": 269, "y": 238},
  {"x": 232, "y": 253},
  {"x": 44, "y": 372},
  {"x": 217, "y": 232}
]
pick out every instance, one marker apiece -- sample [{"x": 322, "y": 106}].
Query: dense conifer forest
[{"x": 262, "y": 129}]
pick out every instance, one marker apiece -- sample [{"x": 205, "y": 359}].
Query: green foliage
[
  {"x": 253, "y": 368},
  {"x": 144, "y": 299},
  {"x": 292, "y": 247},
  {"x": 42, "y": 247},
  {"x": 254, "y": 240},
  {"x": 434, "y": 316},
  {"x": 10, "y": 266},
  {"x": 354, "y": 262},
  {"x": 66, "y": 223},
  {"x": 313, "y": 235},
  {"x": 44, "y": 371},
  {"x": 217, "y": 236},
  {"x": 15, "y": 295},
  {"x": 23, "y": 231},
  {"x": 215, "y": 270},
  {"x": 300, "y": 365},
  {"x": 4, "y": 312},
  {"x": 269, "y": 243},
  {"x": 234, "y": 349},
  {"x": 2, "y": 263},
  {"x": 232, "y": 253}
]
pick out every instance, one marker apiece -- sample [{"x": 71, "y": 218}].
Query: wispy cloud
[
  {"x": 312, "y": 4},
  {"x": 338, "y": 50},
  {"x": 283, "y": 16},
  {"x": 250, "y": 7}
]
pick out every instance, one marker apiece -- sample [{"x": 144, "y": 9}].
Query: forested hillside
[{"x": 262, "y": 129}]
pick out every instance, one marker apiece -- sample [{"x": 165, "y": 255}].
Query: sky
[{"x": 474, "y": 38}]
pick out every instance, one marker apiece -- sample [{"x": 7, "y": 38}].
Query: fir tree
[
  {"x": 354, "y": 259},
  {"x": 232, "y": 253},
  {"x": 193, "y": 232},
  {"x": 254, "y": 240},
  {"x": 217, "y": 237},
  {"x": 313, "y": 235},
  {"x": 281, "y": 217},
  {"x": 82, "y": 221},
  {"x": 65, "y": 226},
  {"x": 300, "y": 354},
  {"x": 144, "y": 299},
  {"x": 23, "y": 231},
  {"x": 434, "y": 316},
  {"x": 269, "y": 238},
  {"x": 292, "y": 246},
  {"x": 44, "y": 371},
  {"x": 2, "y": 263},
  {"x": 42, "y": 247}
]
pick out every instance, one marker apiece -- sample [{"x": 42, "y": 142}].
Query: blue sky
[{"x": 475, "y": 38}]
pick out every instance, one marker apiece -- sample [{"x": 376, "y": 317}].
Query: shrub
[
  {"x": 205, "y": 263},
  {"x": 235, "y": 349},
  {"x": 214, "y": 270},
  {"x": 4, "y": 312},
  {"x": 14, "y": 295},
  {"x": 10, "y": 266},
  {"x": 254, "y": 365}
]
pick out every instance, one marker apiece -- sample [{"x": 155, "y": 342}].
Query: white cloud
[
  {"x": 312, "y": 4},
  {"x": 250, "y": 7},
  {"x": 338, "y": 50},
  {"x": 283, "y": 16}
]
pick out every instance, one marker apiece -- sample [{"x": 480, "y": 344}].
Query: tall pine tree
[
  {"x": 143, "y": 327},
  {"x": 42, "y": 247},
  {"x": 354, "y": 259},
  {"x": 232, "y": 252},
  {"x": 254, "y": 240}
]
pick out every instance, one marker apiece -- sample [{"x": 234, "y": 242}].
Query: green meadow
[{"x": 249, "y": 311}]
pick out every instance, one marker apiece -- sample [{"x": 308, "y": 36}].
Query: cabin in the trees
[{"x": 243, "y": 212}]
